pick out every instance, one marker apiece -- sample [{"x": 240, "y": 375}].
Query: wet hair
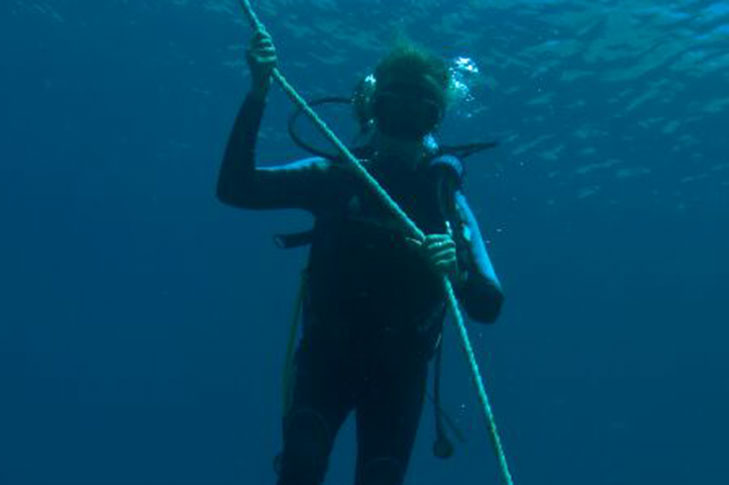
[{"x": 408, "y": 62}]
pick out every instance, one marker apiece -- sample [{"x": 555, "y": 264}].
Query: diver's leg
[
  {"x": 320, "y": 403},
  {"x": 387, "y": 421}
]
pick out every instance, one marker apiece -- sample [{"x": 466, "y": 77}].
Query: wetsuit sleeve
[
  {"x": 478, "y": 288},
  {"x": 303, "y": 184}
]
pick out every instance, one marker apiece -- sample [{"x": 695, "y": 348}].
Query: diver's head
[{"x": 410, "y": 93}]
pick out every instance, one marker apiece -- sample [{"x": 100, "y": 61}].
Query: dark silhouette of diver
[{"x": 374, "y": 303}]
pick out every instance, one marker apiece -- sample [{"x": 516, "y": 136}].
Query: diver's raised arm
[
  {"x": 237, "y": 171},
  {"x": 298, "y": 185}
]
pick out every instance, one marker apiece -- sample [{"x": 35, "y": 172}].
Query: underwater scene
[{"x": 566, "y": 168}]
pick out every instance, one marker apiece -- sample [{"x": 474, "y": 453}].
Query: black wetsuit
[{"x": 373, "y": 309}]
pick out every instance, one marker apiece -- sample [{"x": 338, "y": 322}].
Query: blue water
[{"x": 143, "y": 324}]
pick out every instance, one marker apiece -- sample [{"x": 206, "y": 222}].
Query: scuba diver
[{"x": 374, "y": 303}]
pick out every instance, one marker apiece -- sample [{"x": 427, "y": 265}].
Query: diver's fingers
[
  {"x": 263, "y": 44},
  {"x": 261, "y": 60},
  {"x": 262, "y": 53},
  {"x": 261, "y": 34},
  {"x": 413, "y": 243},
  {"x": 448, "y": 254},
  {"x": 438, "y": 237},
  {"x": 263, "y": 48},
  {"x": 439, "y": 244},
  {"x": 261, "y": 41}
]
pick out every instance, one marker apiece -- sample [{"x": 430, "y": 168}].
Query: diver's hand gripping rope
[{"x": 414, "y": 230}]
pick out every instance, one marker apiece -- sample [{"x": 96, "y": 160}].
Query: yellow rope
[{"x": 416, "y": 232}]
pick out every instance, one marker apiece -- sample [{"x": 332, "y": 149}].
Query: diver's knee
[
  {"x": 382, "y": 471},
  {"x": 307, "y": 444}
]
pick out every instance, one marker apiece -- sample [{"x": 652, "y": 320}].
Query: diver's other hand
[
  {"x": 261, "y": 58},
  {"x": 439, "y": 250}
]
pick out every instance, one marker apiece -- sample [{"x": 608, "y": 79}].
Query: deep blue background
[{"x": 142, "y": 323}]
